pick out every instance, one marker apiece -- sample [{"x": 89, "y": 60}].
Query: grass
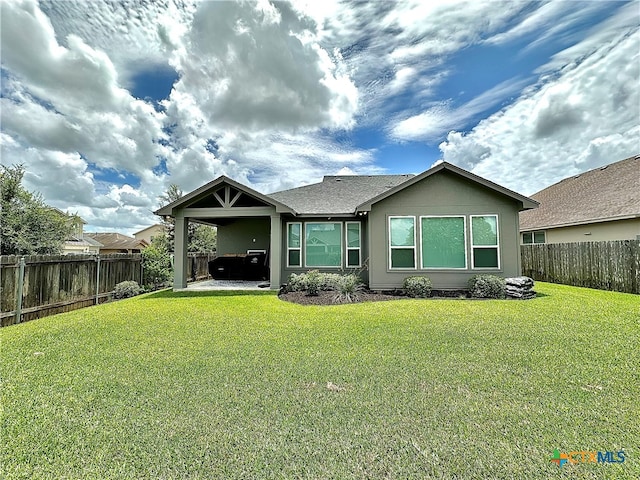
[{"x": 213, "y": 385}]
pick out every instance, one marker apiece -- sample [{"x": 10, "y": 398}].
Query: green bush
[
  {"x": 348, "y": 288},
  {"x": 330, "y": 281},
  {"x": 156, "y": 266},
  {"x": 417, "y": 287},
  {"x": 126, "y": 289},
  {"x": 486, "y": 286},
  {"x": 296, "y": 283},
  {"x": 312, "y": 283}
]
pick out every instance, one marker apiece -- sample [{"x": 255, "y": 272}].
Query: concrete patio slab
[{"x": 205, "y": 285}]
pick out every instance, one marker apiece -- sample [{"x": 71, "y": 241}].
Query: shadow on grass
[{"x": 168, "y": 293}]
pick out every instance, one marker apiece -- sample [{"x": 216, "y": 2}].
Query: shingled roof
[
  {"x": 337, "y": 195},
  {"x": 611, "y": 192},
  {"x": 117, "y": 241}
]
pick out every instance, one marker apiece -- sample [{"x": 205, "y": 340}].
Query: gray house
[{"x": 446, "y": 223}]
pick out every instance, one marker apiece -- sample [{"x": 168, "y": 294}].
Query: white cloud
[
  {"x": 68, "y": 98},
  {"x": 441, "y": 118},
  {"x": 584, "y": 117},
  {"x": 259, "y": 66}
]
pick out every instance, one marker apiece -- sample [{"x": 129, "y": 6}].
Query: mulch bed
[{"x": 326, "y": 298}]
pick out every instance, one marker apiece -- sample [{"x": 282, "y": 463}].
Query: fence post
[
  {"x": 18, "y": 317},
  {"x": 97, "y": 278}
]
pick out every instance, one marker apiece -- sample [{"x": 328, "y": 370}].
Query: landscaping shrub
[
  {"x": 417, "y": 286},
  {"x": 330, "y": 281},
  {"x": 156, "y": 266},
  {"x": 487, "y": 286},
  {"x": 313, "y": 281},
  {"x": 348, "y": 288},
  {"x": 126, "y": 289}
]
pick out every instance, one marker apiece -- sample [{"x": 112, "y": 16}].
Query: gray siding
[
  {"x": 287, "y": 271},
  {"x": 443, "y": 193},
  {"x": 244, "y": 234}
]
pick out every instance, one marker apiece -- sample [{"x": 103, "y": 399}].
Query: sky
[{"x": 108, "y": 103}]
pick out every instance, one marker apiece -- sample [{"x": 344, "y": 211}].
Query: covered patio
[{"x": 246, "y": 219}]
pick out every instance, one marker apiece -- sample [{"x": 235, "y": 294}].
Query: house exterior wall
[
  {"x": 244, "y": 234},
  {"x": 442, "y": 194},
  {"x": 84, "y": 249},
  {"x": 286, "y": 270},
  {"x": 149, "y": 233},
  {"x": 596, "y": 232}
]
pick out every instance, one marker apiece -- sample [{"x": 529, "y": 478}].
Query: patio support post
[
  {"x": 275, "y": 253},
  {"x": 180, "y": 251}
]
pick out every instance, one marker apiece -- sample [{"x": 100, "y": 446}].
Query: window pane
[
  {"x": 539, "y": 237},
  {"x": 294, "y": 258},
  {"x": 353, "y": 258},
  {"x": 402, "y": 258},
  {"x": 353, "y": 235},
  {"x": 443, "y": 243},
  {"x": 485, "y": 230},
  {"x": 527, "y": 237},
  {"x": 323, "y": 244},
  {"x": 402, "y": 232},
  {"x": 485, "y": 257},
  {"x": 294, "y": 235}
]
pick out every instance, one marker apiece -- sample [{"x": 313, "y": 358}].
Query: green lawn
[{"x": 247, "y": 386}]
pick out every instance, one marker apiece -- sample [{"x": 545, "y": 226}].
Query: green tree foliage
[
  {"x": 201, "y": 238},
  {"x": 156, "y": 263},
  {"x": 28, "y": 226}
]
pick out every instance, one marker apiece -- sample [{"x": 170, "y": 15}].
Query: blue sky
[{"x": 107, "y": 103}]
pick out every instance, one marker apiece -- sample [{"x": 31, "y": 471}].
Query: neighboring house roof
[
  {"x": 611, "y": 192},
  {"x": 117, "y": 241},
  {"x": 154, "y": 227},
  {"x": 337, "y": 195},
  {"x": 84, "y": 241}
]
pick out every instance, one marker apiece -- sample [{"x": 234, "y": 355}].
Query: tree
[
  {"x": 203, "y": 238},
  {"x": 200, "y": 238},
  {"x": 156, "y": 263},
  {"x": 27, "y": 224}
]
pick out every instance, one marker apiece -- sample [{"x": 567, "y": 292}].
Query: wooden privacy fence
[
  {"x": 613, "y": 265},
  {"x": 40, "y": 285},
  {"x": 198, "y": 265}
]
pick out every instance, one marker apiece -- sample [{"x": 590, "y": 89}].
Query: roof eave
[
  {"x": 527, "y": 203},
  {"x": 168, "y": 210},
  {"x": 578, "y": 223}
]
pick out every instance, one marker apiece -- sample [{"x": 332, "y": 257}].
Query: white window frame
[
  {"x": 348, "y": 248},
  {"x": 299, "y": 248},
  {"x": 304, "y": 244},
  {"x": 544, "y": 232},
  {"x": 466, "y": 256},
  {"x": 533, "y": 237},
  {"x": 497, "y": 246},
  {"x": 404, "y": 247}
]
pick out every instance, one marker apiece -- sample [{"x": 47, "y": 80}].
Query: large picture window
[
  {"x": 294, "y": 250},
  {"x": 443, "y": 242},
  {"x": 323, "y": 244},
  {"x": 354, "y": 241},
  {"x": 402, "y": 242},
  {"x": 484, "y": 241}
]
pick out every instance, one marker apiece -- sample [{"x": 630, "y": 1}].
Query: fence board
[
  {"x": 613, "y": 265},
  {"x": 55, "y": 284}
]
